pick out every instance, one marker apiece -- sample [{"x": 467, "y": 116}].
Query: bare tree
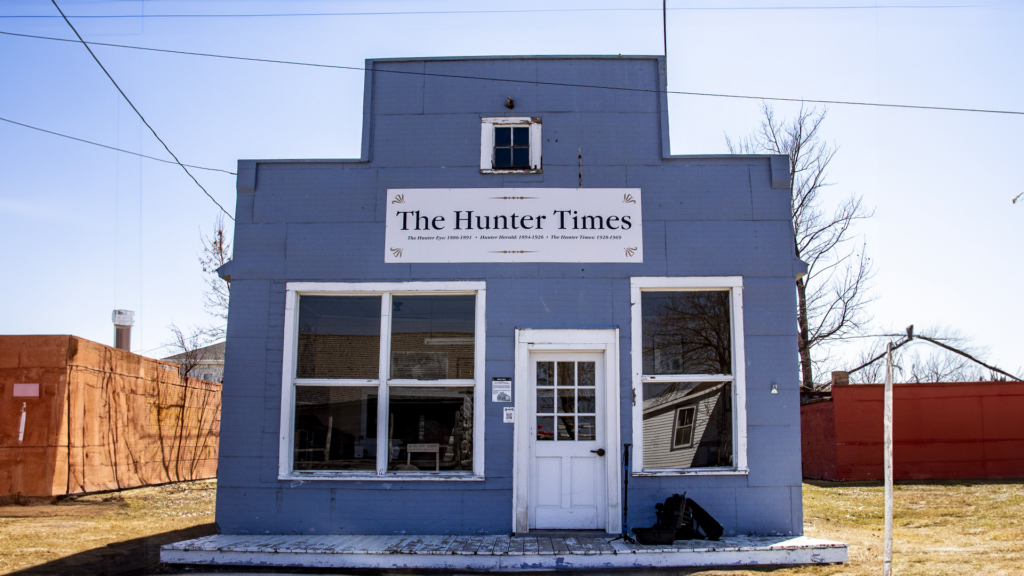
[
  {"x": 923, "y": 363},
  {"x": 831, "y": 297},
  {"x": 216, "y": 252},
  {"x": 189, "y": 348}
]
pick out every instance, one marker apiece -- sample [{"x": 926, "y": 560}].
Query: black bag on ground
[{"x": 703, "y": 521}]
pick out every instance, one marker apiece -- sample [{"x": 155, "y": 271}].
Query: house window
[
  {"x": 510, "y": 145},
  {"x": 682, "y": 436},
  {"x": 383, "y": 381},
  {"x": 688, "y": 376}
]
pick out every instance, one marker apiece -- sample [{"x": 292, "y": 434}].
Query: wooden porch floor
[{"x": 489, "y": 553}]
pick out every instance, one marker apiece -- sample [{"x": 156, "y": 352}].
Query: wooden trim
[
  {"x": 362, "y": 288},
  {"x": 386, "y": 290},
  {"x": 734, "y": 284},
  {"x": 605, "y": 341}
]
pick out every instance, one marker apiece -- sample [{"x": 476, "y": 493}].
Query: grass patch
[
  {"x": 942, "y": 528},
  {"x": 36, "y": 534}
]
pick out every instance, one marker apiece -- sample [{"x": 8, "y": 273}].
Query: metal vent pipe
[{"x": 123, "y": 320}]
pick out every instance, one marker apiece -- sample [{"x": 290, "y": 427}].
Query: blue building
[{"x": 457, "y": 332}]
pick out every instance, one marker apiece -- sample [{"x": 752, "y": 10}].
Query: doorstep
[{"x": 490, "y": 553}]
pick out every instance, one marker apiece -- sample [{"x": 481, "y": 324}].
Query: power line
[
  {"x": 111, "y": 147},
  {"x": 535, "y": 82},
  {"x": 80, "y": 39},
  {"x": 518, "y": 11}
]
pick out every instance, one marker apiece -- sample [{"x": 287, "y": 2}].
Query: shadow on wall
[{"x": 132, "y": 557}]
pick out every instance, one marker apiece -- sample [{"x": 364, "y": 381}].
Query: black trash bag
[{"x": 702, "y": 523}]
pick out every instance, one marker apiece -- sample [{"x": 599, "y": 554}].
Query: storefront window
[
  {"x": 335, "y": 428},
  {"x": 430, "y": 429},
  {"x": 432, "y": 337},
  {"x": 690, "y": 374},
  {"x": 416, "y": 414}
]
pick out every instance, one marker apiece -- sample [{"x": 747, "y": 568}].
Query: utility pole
[
  {"x": 887, "y": 422},
  {"x": 664, "y": 30}
]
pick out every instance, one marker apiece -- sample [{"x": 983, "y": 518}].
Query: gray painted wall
[{"x": 320, "y": 220}]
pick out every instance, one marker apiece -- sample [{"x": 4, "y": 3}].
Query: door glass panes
[
  {"x": 687, "y": 425},
  {"x": 511, "y": 147},
  {"x": 566, "y": 401},
  {"x": 335, "y": 428},
  {"x": 339, "y": 337},
  {"x": 686, "y": 332},
  {"x": 432, "y": 337},
  {"x": 430, "y": 429}
]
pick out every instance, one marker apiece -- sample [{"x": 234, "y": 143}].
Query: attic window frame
[{"x": 487, "y": 126}]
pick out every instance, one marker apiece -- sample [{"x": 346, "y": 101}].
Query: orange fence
[
  {"x": 945, "y": 430},
  {"x": 77, "y": 416}
]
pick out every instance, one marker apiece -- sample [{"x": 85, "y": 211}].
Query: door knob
[{"x": 599, "y": 451}]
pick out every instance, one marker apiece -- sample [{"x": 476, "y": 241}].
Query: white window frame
[
  {"x": 294, "y": 290},
  {"x": 732, "y": 284},
  {"x": 675, "y": 429},
  {"x": 487, "y": 144}
]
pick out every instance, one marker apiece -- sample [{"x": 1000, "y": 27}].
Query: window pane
[
  {"x": 545, "y": 401},
  {"x": 566, "y": 428},
  {"x": 586, "y": 370},
  {"x": 545, "y": 427},
  {"x": 710, "y": 433},
  {"x": 335, "y": 428},
  {"x": 521, "y": 136},
  {"x": 430, "y": 429},
  {"x": 686, "y": 332},
  {"x": 502, "y": 157},
  {"x": 588, "y": 428},
  {"x": 586, "y": 401},
  {"x": 432, "y": 337},
  {"x": 520, "y": 157},
  {"x": 545, "y": 373},
  {"x": 566, "y": 373},
  {"x": 339, "y": 337},
  {"x": 566, "y": 400},
  {"x": 503, "y": 136}
]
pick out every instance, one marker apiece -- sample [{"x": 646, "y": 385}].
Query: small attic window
[{"x": 510, "y": 145}]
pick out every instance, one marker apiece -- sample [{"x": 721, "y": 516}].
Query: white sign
[
  {"x": 514, "y": 225},
  {"x": 26, "y": 391},
  {"x": 508, "y": 415},
  {"x": 501, "y": 390}
]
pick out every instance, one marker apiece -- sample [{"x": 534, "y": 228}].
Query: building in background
[
  {"x": 77, "y": 416},
  {"x": 208, "y": 362},
  {"x": 940, "y": 431}
]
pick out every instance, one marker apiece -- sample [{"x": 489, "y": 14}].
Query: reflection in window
[
  {"x": 430, "y": 429},
  {"x": 686, "y": 332},
  {"x": 684, "y": 428},
  {"x": 432, "y": 337},
  {"x": 339, "y": 337},
  {"x": 335, "y": 428},
  {"x": 674, "y": 440}
]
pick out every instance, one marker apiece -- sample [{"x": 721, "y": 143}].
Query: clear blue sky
[{"x": 85, "y": 230}]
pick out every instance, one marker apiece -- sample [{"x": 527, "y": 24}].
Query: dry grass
[
  {"x": 73, "y": 535},
  {"x": 941, "y": 529}
]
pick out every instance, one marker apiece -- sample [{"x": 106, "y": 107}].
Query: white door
[{"x": 567, "y": 455}]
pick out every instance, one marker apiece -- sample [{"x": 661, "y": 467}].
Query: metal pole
[
  {"x": 664, "y": 26},
  {"x": 887, "y": 421}
]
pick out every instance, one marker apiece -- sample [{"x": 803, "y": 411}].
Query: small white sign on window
[
  {"x": 508, "y": 415},
  {"x": 501, "y": 389}
]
